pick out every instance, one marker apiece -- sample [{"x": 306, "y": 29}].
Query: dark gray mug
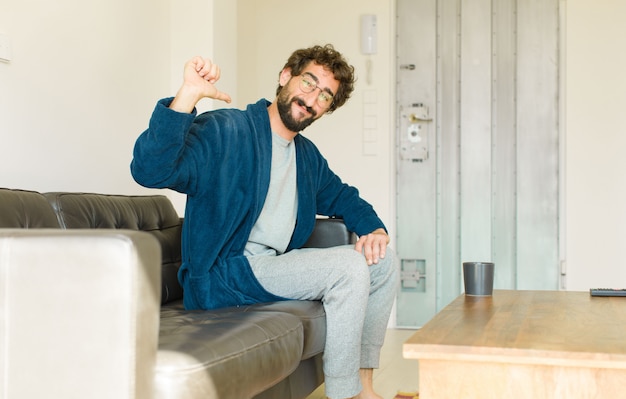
[{"x": 478, "y": 278}]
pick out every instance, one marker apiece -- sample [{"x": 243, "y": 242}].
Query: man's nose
[{"x": 310, "y": 98}]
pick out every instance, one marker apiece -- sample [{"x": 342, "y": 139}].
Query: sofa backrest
[
  {"x": 330, "y": 232},
  {"x": 154, "y": 214},
  {"x": 25, "y": 209}
]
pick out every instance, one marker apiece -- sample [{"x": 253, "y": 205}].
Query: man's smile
[{"x": 304, "y": 107}]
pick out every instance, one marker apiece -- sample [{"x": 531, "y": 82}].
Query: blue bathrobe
[{"x": 221, "y": 160}]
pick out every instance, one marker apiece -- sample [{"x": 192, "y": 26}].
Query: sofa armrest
[{"x": 79, "y": 313}]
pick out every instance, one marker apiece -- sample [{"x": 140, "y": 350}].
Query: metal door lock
[{"x": 414, "y": 142}]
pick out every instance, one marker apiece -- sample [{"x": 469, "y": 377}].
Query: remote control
[{"x": 607, "y": 292}]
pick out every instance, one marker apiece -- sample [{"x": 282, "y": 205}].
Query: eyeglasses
[{"x": 308, "y": 84}]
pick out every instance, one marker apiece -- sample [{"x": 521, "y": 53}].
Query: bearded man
[{"x": 254, "y": 186}]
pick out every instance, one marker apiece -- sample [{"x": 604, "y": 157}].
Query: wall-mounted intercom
[{"x": 368, "y": 34}]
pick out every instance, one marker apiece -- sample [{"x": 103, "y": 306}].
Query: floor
[{"x": 395, "y": 373}]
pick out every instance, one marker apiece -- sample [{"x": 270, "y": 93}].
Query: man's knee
[{"x": 353, "y": 266}]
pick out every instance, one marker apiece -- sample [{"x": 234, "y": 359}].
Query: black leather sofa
[{"x": 124, "y": 252}]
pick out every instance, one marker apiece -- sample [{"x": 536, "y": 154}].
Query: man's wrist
[{"x": 185, "y": 100}]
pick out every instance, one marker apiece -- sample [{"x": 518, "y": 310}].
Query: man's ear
[{"x": 284, "y": 76}]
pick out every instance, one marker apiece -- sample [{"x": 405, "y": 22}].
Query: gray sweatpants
[{"x": 357, "y": 299}]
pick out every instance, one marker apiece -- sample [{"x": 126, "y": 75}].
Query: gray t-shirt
[{"x": 273, "y": 229}]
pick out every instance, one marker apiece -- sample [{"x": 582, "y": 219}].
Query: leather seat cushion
[
  {"x": 311, "y": 315},
  {"x": 225, "y": 353}
]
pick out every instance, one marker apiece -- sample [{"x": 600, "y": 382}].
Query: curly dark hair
[{"x": 330, "y": 59}]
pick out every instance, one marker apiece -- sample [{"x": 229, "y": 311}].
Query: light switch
[
  {"x": 370, "y": 109},
  {"x": 5, "y": 48},
  {"x": 369, "y": 135},
  {"x": 370, "y": 148},
  {"x": 369, "y": 122}
]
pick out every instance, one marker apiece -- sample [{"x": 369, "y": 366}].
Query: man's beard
[{"x": 284, "y": 110}]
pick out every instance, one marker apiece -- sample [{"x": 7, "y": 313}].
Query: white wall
[
  {"x": 80, "y": 87},
  {"x": 596, "y": 139},
  {"x": 82, "y": 83}
]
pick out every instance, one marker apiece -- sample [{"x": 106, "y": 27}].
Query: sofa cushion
[
  {"x": 311, "y": 315},
  {"x": 225, "y": 353},
  {"x": 25, "y": 209},
  {"x": 154, "y": 214}
]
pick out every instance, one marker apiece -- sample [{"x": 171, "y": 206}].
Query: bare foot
[
  {"x": 366, "y": 376},
  {"x": 367, "y": 381}
]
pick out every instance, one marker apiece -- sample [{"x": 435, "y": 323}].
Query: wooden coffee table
[{"x": 523, "y": 344}]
